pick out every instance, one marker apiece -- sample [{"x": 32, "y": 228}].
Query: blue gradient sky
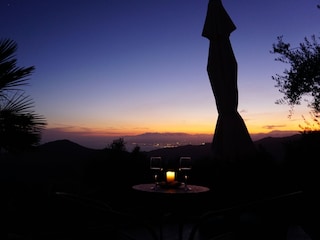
[{"x": 123, "y": 67}]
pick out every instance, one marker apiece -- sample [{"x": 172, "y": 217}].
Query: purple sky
[{"x": 121, "y": 67}]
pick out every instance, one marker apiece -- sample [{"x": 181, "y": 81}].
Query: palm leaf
[
  {"x": 20, "y": 126},
  {"x": 11, "y": 76}
]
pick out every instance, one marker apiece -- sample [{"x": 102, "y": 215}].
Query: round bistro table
[{"x": 176, "y": 200}]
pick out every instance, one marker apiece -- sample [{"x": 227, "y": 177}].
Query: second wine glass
[
  {"x": 185, "y": 165},
  {"x": 156, "y": 168}
]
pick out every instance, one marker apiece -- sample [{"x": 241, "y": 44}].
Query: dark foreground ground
[
  {"x": 262, "y": 199},
  {"x": 280, "y": 217}
]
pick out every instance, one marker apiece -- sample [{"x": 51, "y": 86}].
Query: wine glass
[
  {"x": 185, "y": 167},
  {"x": 157, "y": 168}
]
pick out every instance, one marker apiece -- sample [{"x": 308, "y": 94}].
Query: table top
[{"x": 192, "y": 189}]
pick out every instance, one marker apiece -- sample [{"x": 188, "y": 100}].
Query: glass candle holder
[{"x": 170, "y": 176}]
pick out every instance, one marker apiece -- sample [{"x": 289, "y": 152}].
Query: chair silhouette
[
  {"x": 266, "y": 218},
  {"x": 75, "y": 216},
  {"x": 214, "y": 225}
]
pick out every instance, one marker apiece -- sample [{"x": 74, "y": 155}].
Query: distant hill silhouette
[
  {"x": 154, "y": 140},
  {"x": 148, "y": 141},
  {"x": 67, "y": 152},
  {"x": 275, "y": 146},
  {"x": 66, "y": 148},
  {"x": 63, "y": 144},
  {"x": 69, "y": 161},
  {"x": 58, "y": 159},
  {"x": 272, "y": 145}
]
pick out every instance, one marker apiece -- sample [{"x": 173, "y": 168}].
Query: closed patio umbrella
[{"x": 231, "y": 140}]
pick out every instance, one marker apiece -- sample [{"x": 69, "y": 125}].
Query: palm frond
[
  {"x": 20, "y": 126},
  {"x": 11, "y": 76},
  {"x": 18, "y": 103}
]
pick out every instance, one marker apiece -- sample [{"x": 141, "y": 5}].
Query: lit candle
[{"x": 170, "y": 176}]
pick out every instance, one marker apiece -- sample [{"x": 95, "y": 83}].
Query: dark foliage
[
  {"x": 303, "y": 77},
  {"x": 118, "y": 145},
  {"x": 20, "y": 126},
  {"x": 302, "y": 159}
]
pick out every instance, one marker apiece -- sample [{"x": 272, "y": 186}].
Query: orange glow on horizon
[
  {"x": 256, "y": 123},
  {"x": 101, "y": 132}
]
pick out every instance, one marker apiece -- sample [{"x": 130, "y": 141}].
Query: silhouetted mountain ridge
[
  {"x": 165, "y": 135},
  {"x": 64, "y": 145},
  {"x": 272, "y": 145},
  {"x": 155, "y": 140},
  {"x": 275, "y": 146}
]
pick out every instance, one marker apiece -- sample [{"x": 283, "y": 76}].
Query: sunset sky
[{"x": 126, "y": 67}]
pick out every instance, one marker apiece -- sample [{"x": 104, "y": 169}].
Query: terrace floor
[{"x": 170, "y": 233}]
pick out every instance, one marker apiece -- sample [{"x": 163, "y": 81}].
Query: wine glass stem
[
  {"x": 185, "y": 182},
  {"x": 155, "y": 181}
]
